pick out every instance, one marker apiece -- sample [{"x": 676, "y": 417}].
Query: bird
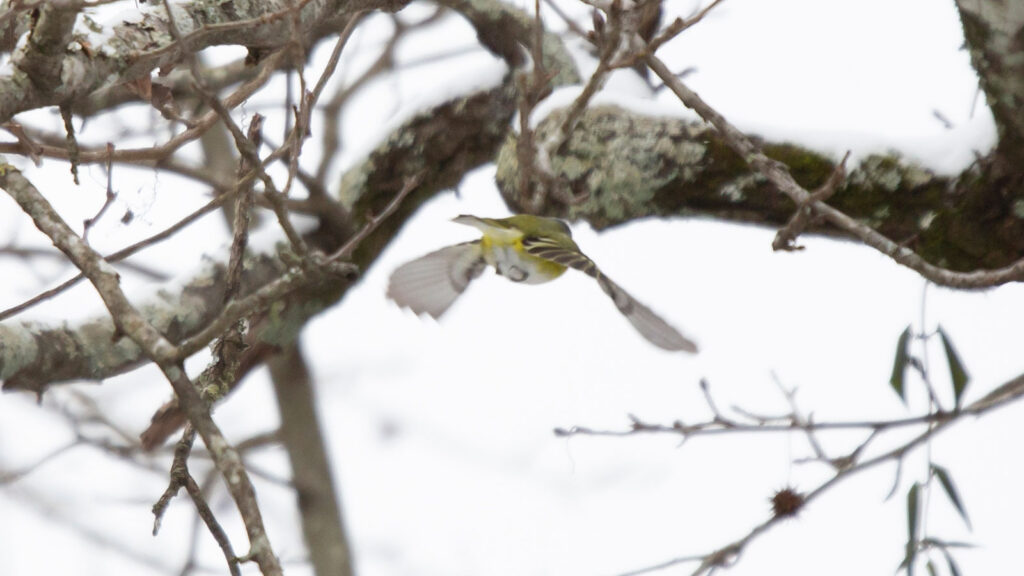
[{"x": 525, "y": 249}]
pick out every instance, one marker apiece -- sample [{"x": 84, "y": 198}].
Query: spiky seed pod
[{"x": 787, "y": 502}]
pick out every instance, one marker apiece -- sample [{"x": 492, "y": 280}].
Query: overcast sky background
[{"x": 441, "y": 432}]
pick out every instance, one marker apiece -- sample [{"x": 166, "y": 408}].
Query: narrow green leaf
[
  {"x": 954, "y": 570},
  {"x": 899, "y": 367},
  {"x": 912, "y": 503},
  {"x": 931, "y": 568},
  {"x": 912, "y": 513},
  {"x": 937, "y": 543},
  {"x": 950, "y": 488},
  {"x": 957, "y": 372}
]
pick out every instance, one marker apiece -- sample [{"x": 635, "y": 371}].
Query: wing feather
[
  {"x": 431, "y": 283},
  {"x": 650, "y": 325}
]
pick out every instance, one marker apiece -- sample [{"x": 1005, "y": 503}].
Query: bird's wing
[
  {"x": 431, "y": 283},
  {"x": 651, "y": 326}
]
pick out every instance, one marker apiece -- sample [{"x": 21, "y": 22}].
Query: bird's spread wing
[
  {"x": 651, "y": 326},
  {"x": 431, "y": 283}
]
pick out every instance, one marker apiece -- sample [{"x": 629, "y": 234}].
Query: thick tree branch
[
  {"x": 35, "y": 355},
  {"x": 993, "y": 30},
  {"x": 322, "y": 526},
  {"x": 626, "y": 165},
  {"x": 131, "y": 49},
  {"x": 778, "y": 174},
  {"x": 50, "y": 34},
  {"x": 622, "y": 165},
  {"x": 439, "y": 146}
]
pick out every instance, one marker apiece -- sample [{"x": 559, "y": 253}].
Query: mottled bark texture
[
  {"x": 445, "y": 143},
  {"x": 34, "y": 355},
  {"x": 624, "y": 165},
  {"x": 439, "y": 146},
  {"x": 618, "y": 164},
  {"x": 59, "y": 65},
  {"x": 994, "y": 34}
]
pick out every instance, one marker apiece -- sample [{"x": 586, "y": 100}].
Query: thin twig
[
  {"x": 844, "y": 468},
  {"x": 107, "y": 202},
  {"x": 154, "y": 345},
  {"x": 120, "y": 255},
  {"x": 164, "y": 150},
  {"x": 28, "y": 146},
  {"x": 72, "y": 141},
  {"x": 292, "y": 280},
  {"x": 678, "y": 26},
  {"x": 608, "y": 44},
  {"x": 663, "y": 565},
  {"x": 372, "y": 221},
  {"x": 181, "y": 478},
  {"x": 779, "y": 175},
  {"x": 248, "y": 149},
  {"x": 27, "y": 252},
  {"x": 12, "y": 476},
  {"x": 240, "y": 223},
  {"x": 786, "y": 237}
]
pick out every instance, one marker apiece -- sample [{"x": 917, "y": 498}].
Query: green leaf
[
  {"x": 947, "y": 484},
  {"x": 954, "y": 570},
  {"x": 912, "y": 513},
  {"x": 931, "y": 568},
  {"x": 957, "y": 372},
  {"x": 937, "y": 543},
  {"x": 912, "y": 504},
  {"x": 899, "y": 367}
]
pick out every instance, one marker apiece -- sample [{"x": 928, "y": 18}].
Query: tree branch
[
  {"x": 993, "y": 30},
  {"x": 843, "y": 468},
  {"x": 778, "y": 174},
  {"x": 48, "y": 38},
  {"x": 319, "y": 506},
  {"x": 131, "y": 323},
  {"x": 131, "y": 49}
]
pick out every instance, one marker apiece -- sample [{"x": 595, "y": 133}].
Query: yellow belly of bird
[{"x": 512, "y": 262}]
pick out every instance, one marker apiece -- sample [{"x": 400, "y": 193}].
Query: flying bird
[{"x": 523, "y": 248}]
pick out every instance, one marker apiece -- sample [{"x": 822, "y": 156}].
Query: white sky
[{"x": 441, "y": 433}]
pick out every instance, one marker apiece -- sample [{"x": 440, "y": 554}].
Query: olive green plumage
[{"x": 522, "y": 248}]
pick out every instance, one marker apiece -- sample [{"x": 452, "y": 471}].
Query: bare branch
[
  {"x": 786, "y": 237},
  {"x": 135, "y": 48},
  {"x": 934, "y": 423},
  {"x": 678, "y": 26},
  {"x": 50, "y": 34},
  {"x": 318, "y": 501},
  {"x": 107, "y": 202},
  {"x": 181, "y": 478},
  {"x": 132, "y": 324},
  {"x": 779, "y": 175}
]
